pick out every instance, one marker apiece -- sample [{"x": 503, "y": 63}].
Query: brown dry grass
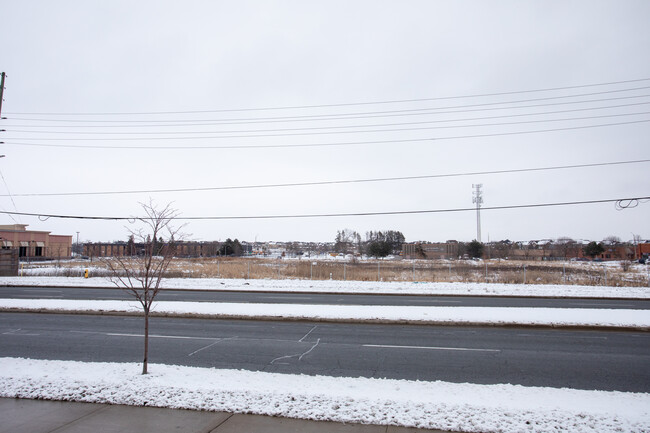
[{"x": 498, "y": 271}]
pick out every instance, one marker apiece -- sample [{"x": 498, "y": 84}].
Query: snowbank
[
  {"x": 618, "y": 318},
  {"x": 366, "y": 287},
  {"x": 433, "y": 405}
]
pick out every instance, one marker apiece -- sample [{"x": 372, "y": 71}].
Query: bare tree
[
  {"x": 566, "y": 245},
  {"x": 141, "y": 275},
  {"x": 612, "y": 240},
  {"x": 345, "y": 239}
]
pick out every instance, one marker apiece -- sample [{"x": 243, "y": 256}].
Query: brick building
[
  {"x": 35, "y": 243},
  {"x": 642, "y": 251},
  {"x": 447, "y": 250},
  {"x": 118, "y": 249}
]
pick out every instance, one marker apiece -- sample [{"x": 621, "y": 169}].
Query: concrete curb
[{"x": 333, "y": 320}]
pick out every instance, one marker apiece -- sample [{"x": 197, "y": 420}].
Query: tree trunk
[{"x": 146, "y": 340}]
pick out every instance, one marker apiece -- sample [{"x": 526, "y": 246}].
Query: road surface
[
  {"x": 556, "y": 358},
  {"x": 330, "y": 299}
]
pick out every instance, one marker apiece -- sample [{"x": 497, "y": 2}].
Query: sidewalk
[{"x": 41, "y": 416}]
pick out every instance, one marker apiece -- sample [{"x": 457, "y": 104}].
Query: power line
[
  {"x": 330, "y": 182},
  {"x": 422, "y": 122},
  {"x": 303, "y": 130},
  {"x": 349, "y": 143},
  {"x": 357, "y": 103},
  {"x": 348, "y": 116},
  {"x": 45, "y": 216}
]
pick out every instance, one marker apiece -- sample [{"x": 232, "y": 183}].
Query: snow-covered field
[
  {"x": 435, "y": 405},
  {"x": 369, "y": 287},
  {"x": 616, "y": 318}
]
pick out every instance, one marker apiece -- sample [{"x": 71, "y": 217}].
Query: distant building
[
  {"x": 416, "y": 250},
  {"x": 618, "y": 252},
  {"x": 118, "y": 249},
  {"x": 642, "y": 251},
  {"x": 33, "y": 243},
  {"x": 111, "y": 249}
]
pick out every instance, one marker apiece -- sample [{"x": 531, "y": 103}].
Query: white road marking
[
  {"x": 40, "y": 290},
  {"x": 279, "y": 340},
  {"x": 13, "y": 332},
  {"x": 598, "y": 304},
  {"x": 428, "y": 301},
  {"x": 23, "y": 335},
  {"x": 563, "y": 336},
  {"x": 388, "y": 346},
  {"x": 112, "y": 334}
]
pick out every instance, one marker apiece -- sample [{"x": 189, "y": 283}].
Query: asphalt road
[
  {"x": 555, "y": 358},
  {"x": 308, "y": 298}
]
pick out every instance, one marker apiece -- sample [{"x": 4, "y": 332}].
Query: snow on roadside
[
  {"x": 384, "y": 313},
  {"x": 434, "y": 405},
  {"x": 369, "y": 287}
]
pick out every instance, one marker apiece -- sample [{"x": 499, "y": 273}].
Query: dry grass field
[{"x": 491, "y": 271}]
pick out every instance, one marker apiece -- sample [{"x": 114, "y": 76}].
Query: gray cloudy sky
[{"x": 222, "y": 74}]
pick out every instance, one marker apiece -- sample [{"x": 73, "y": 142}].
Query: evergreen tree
[
  {"x": 475, "y": 249},
  {"x": 593, "y": 249}
]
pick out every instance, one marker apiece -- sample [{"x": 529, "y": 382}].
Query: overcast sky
[{"x": 382, "y": 88}]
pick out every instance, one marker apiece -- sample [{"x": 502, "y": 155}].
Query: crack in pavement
[{"x": 299, "y": 355}]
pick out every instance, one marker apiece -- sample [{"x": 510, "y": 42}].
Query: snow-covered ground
[
  {"x": 368, "y": 287},
  {"x": 617, "y": 318},
  {"x": 434, "y": 405},
  {"x": 465, "y": 407}
]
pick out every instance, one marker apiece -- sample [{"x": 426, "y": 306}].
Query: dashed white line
[
  {"x": 435, "y": 301},
  {"x": 112, "y": 334},
  {"x": 39, "y": 290},
  {"x": 576, "y": 337},
  {"x": 599, "y": 304},
  {"x": 388, "y": 346},
  {"x": 14, "y": 331}
]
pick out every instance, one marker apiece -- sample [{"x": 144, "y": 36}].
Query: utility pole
[
  {"x": 2, "y": 89},
  {"x": 477, "y": 197}
]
